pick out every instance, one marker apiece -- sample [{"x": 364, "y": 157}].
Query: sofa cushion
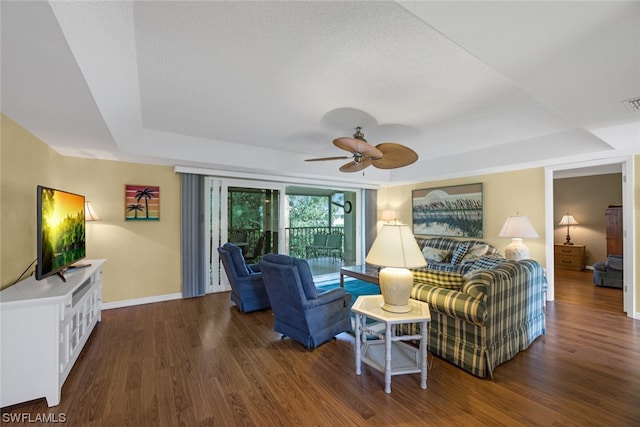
[
  {"x": 433, "y": 254},
  {"x": 459, "y": 253},
  {"x": 441, "y": 279}
]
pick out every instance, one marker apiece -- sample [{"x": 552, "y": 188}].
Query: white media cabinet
[{"x": 44, "y": 325}]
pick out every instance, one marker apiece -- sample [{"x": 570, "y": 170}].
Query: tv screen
[{"x": 60, "y": 231}]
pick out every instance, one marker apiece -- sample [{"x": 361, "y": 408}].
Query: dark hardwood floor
[{"x": 198, "y": 362}]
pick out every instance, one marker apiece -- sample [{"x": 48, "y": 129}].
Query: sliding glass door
[
  {"x": 246, "y": 213},
  {"x": 253, "y": 220},
  {"x": 264, "y": 217}
]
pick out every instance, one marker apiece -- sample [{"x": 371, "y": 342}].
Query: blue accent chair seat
[
  {"x": 247, "y": 286},
  {"x": 299, "y": 311}
]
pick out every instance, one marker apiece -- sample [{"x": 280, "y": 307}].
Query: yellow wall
[
  {"x": 505, "y": 194},
  {"x": 143, "y": 257}
]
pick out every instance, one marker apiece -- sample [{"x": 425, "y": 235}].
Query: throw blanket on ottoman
[{"x": 484, "y": 318}]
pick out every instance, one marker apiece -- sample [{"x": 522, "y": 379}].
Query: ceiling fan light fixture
[
  {"x": 358, "y": 134},
  {"x": 387, "y": 155}
]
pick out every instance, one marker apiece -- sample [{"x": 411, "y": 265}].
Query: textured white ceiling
[{"x": 261, "y": 86}]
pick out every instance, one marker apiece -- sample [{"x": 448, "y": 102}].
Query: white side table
[{"x": 389, "y": 354}]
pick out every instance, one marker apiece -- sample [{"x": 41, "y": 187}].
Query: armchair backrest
[
  {"x": 233, "y": 261},
  {"x": 295, "y": 272}
]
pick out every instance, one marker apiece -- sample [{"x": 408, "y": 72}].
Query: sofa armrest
[{"x": 451, "y": 303}]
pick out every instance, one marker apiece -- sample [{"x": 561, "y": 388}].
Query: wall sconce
[
  {"x": 517, "y": 227},
  {"x": 90, "y": 213},
  {"x": 568, "y": 220}
]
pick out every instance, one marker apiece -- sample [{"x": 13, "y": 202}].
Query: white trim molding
[{"x": 140, "y": 301}]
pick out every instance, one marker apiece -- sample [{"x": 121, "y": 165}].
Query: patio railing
[{"x": 296, "y": 240}]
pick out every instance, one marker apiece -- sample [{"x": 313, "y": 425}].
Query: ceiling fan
[{"x": 387, "y": 155}]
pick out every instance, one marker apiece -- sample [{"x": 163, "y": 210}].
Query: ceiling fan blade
[
  {"x": 355, "y": 167},
  {"x": 394, "y": 156},
  {"x": 354, "y": 145},
  {"x": 320, "y": 159}
]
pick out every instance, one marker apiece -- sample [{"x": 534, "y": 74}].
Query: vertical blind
[
  {"x": 193, "y": 236},
  {"x": 370, "y": 219}
]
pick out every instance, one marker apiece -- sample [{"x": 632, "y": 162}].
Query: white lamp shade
[
  {"x": 388, "y": 215},
  {"x": 518, "y": 226},
  {"x": 568, "y": 220},
  {"x": 396, "y": 246}
]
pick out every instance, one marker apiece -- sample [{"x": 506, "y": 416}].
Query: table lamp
[
  {"x": 568, "y": 220},
  {"x": 396, "y": 250},
  {"x": 517, "y": 227},
  {"x": 388, "y": 215}
]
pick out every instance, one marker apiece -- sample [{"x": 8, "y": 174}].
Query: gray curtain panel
[
  {"x": 193, "y": 236},
  {"x": 371, "y": 213}
]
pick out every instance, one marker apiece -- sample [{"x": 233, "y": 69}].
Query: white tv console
[{"x": 43, "y": 327}]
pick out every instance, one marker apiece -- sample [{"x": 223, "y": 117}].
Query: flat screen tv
[{"x": 60, "y": 231}]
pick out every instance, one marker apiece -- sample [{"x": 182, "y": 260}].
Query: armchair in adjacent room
[
  {"x": 247, "y": 285},
  {"x": 609, "y": 273},
  {"x": 299, "y": 311}
]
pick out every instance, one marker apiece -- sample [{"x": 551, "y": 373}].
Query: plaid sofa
[
  {"x": 484, "y": 318},
  {"x": 457, "y": 255}
]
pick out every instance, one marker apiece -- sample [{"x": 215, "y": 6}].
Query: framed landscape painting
[
  {"x": 141, "y": 203},
  {"x": 455, "y": 211}
]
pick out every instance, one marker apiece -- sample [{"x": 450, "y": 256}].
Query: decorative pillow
[
  {"x": 441, "y": 279},
  {"x": 459, "y": 253},
  {"x": 433, "y": 254},
  {"x": 487, "y": 262},
  {"x": 476, "y": 251}
]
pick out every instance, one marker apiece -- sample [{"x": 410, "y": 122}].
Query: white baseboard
[{"x": 139, "y": 301}]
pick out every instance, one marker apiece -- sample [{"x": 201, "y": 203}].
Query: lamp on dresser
[
  {"x": 517, "y": 227},
  {"x": 568, "y": 220}
]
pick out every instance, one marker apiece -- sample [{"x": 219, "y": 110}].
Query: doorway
[
  {"x": 246, "y": 213},
  {"x": 322, "y": 226},
  {"x": 625, "y": 166}
]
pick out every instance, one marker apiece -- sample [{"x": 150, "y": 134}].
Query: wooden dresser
[{"x": 569, "y": 257}]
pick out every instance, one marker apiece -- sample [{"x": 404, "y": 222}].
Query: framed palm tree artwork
[{"x": 141, "y": 203}]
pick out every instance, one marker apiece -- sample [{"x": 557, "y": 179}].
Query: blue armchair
[
  {"x": 609, "y": 273},
  {"x": 247, "y": 287},
  {"x": 299, "y": 311}
]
